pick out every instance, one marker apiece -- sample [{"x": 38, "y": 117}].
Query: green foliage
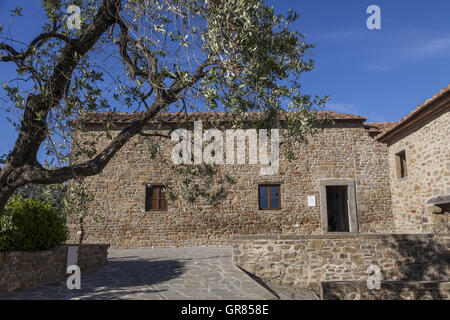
[
  {"x": 76, "y": 202},
  {"x": 236, "y": 56},
  {"x": 16, "y": 12},
  {"x": 76, "y": 199},
  {"x": 52, "y": 194},
  {"x": 255, "y": 63},
  {"x": 3, "y": 158},
  {"x": 29, "y": 225},
  {"x": 203, "y": 181}
]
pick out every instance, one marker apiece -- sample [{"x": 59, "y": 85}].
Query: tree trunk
[
  {"x": 23, "y": 172},
  {"x": 10, "y": 180},
  {"x": 5, "y": 193},
  {"x": 21, "y": 165}
]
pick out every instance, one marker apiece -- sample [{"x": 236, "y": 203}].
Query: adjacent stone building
[{"x": 419, "y": 167}]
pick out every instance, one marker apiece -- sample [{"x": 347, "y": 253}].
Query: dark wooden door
[{"x": 337, "y": 209}]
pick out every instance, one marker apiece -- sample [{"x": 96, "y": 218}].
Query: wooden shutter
[
  {"x": 148, "y": 190},
  {"x": 155, "y": 198},
  {"x": 271, "y": 192}
]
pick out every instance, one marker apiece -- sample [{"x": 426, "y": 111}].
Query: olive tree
[{"x": 146, "y": 56}]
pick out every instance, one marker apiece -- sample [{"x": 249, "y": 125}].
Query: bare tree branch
[
  {"x": 35, "y": 43},
  {"x": 38, "y": 174},
  {"x": 33, "y": 131}
]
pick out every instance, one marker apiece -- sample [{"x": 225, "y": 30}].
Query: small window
[
  {"x": 402, "y": 170},
  {"x": 269, "y": 197},
  {"x": 155, "y": 198}
]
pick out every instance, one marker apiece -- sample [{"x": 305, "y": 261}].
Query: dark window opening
[
  {"x": 337, "y": 209},
  {"x": 269, "y": 197},
  {"x": 402, "y": 170},
  {"x": 155, "y": 198}
]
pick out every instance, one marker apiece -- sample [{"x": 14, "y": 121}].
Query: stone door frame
[{"x": 351, "y": 194}]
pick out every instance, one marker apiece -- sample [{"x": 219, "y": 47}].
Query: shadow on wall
[
  {"x": 421, "y": 272},
  {"x": 389, "y": 290},
  {"x": 424, "y": 260}
]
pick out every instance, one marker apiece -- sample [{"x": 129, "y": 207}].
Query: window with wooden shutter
[
  {"x": 155, "y": 198},
  {"x": 269, "y": 197}
]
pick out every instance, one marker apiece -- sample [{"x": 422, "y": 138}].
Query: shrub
[{"x": 29, "y": 225}]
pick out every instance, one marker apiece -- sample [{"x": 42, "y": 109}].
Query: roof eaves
[{"x": 421, "y": 113}]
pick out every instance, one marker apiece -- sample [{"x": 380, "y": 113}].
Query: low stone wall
[
  {"x": 22, "y": 269},
  {"x": 310, "y": 259},
  {"x": 389, "y": 290}
]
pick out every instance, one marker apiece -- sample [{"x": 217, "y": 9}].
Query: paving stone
[{"x": 154, "y": 274}]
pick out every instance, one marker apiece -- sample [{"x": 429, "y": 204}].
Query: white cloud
[
  {"x": 353, "y": 109},
  {"x": 432, "y": 48},
  {"x": 340, "y": 35},
  {"x": 376, "y": 67},
  {"x": 342, "y": 107}
]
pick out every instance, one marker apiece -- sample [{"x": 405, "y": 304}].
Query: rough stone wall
[
  {"x": 22, "y": 269},
  {"x": 389, "y": 290},
  {"x": 117, "y": 214},
  {"x": 428, "y": 174},
  {"x": 308, "y": 260}
]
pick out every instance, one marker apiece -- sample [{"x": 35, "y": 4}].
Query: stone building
[
  {"x": 357, "y": 196},
  {"x": 419, "y": 167},
  {"x": 352, "y": 177},
  {"x": 343, "y": 165}
]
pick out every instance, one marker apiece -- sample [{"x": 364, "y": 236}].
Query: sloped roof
[
  {"x": 431, "y": 107},
  {"x": 95, "y": 118},
  {"x": 378, "y": 128}
]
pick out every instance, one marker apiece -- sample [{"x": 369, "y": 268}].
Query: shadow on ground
[{"x": 119, "y": 279}]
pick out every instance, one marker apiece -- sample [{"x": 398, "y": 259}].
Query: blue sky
[{"x": 380, "y": 74}]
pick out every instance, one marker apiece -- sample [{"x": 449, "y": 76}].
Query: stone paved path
[{"x": 162, "y": 273}]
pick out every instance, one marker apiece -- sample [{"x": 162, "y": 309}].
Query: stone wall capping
[
  {"x": 100, "y": 245},
  {"x": 334, "y": 236},
  {"x": 440, "y": 200},
  {"x": 49, "y": 251}
]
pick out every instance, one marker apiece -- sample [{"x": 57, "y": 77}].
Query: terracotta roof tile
[
  {"x": 419, "y": 109},
  {"x": 124, "y": 117},
  {"x": 426, "y": 102},
  {"x": 377, "y": 128}
]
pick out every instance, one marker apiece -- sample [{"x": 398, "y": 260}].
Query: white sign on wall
[{"x": 311, "y": 201}]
